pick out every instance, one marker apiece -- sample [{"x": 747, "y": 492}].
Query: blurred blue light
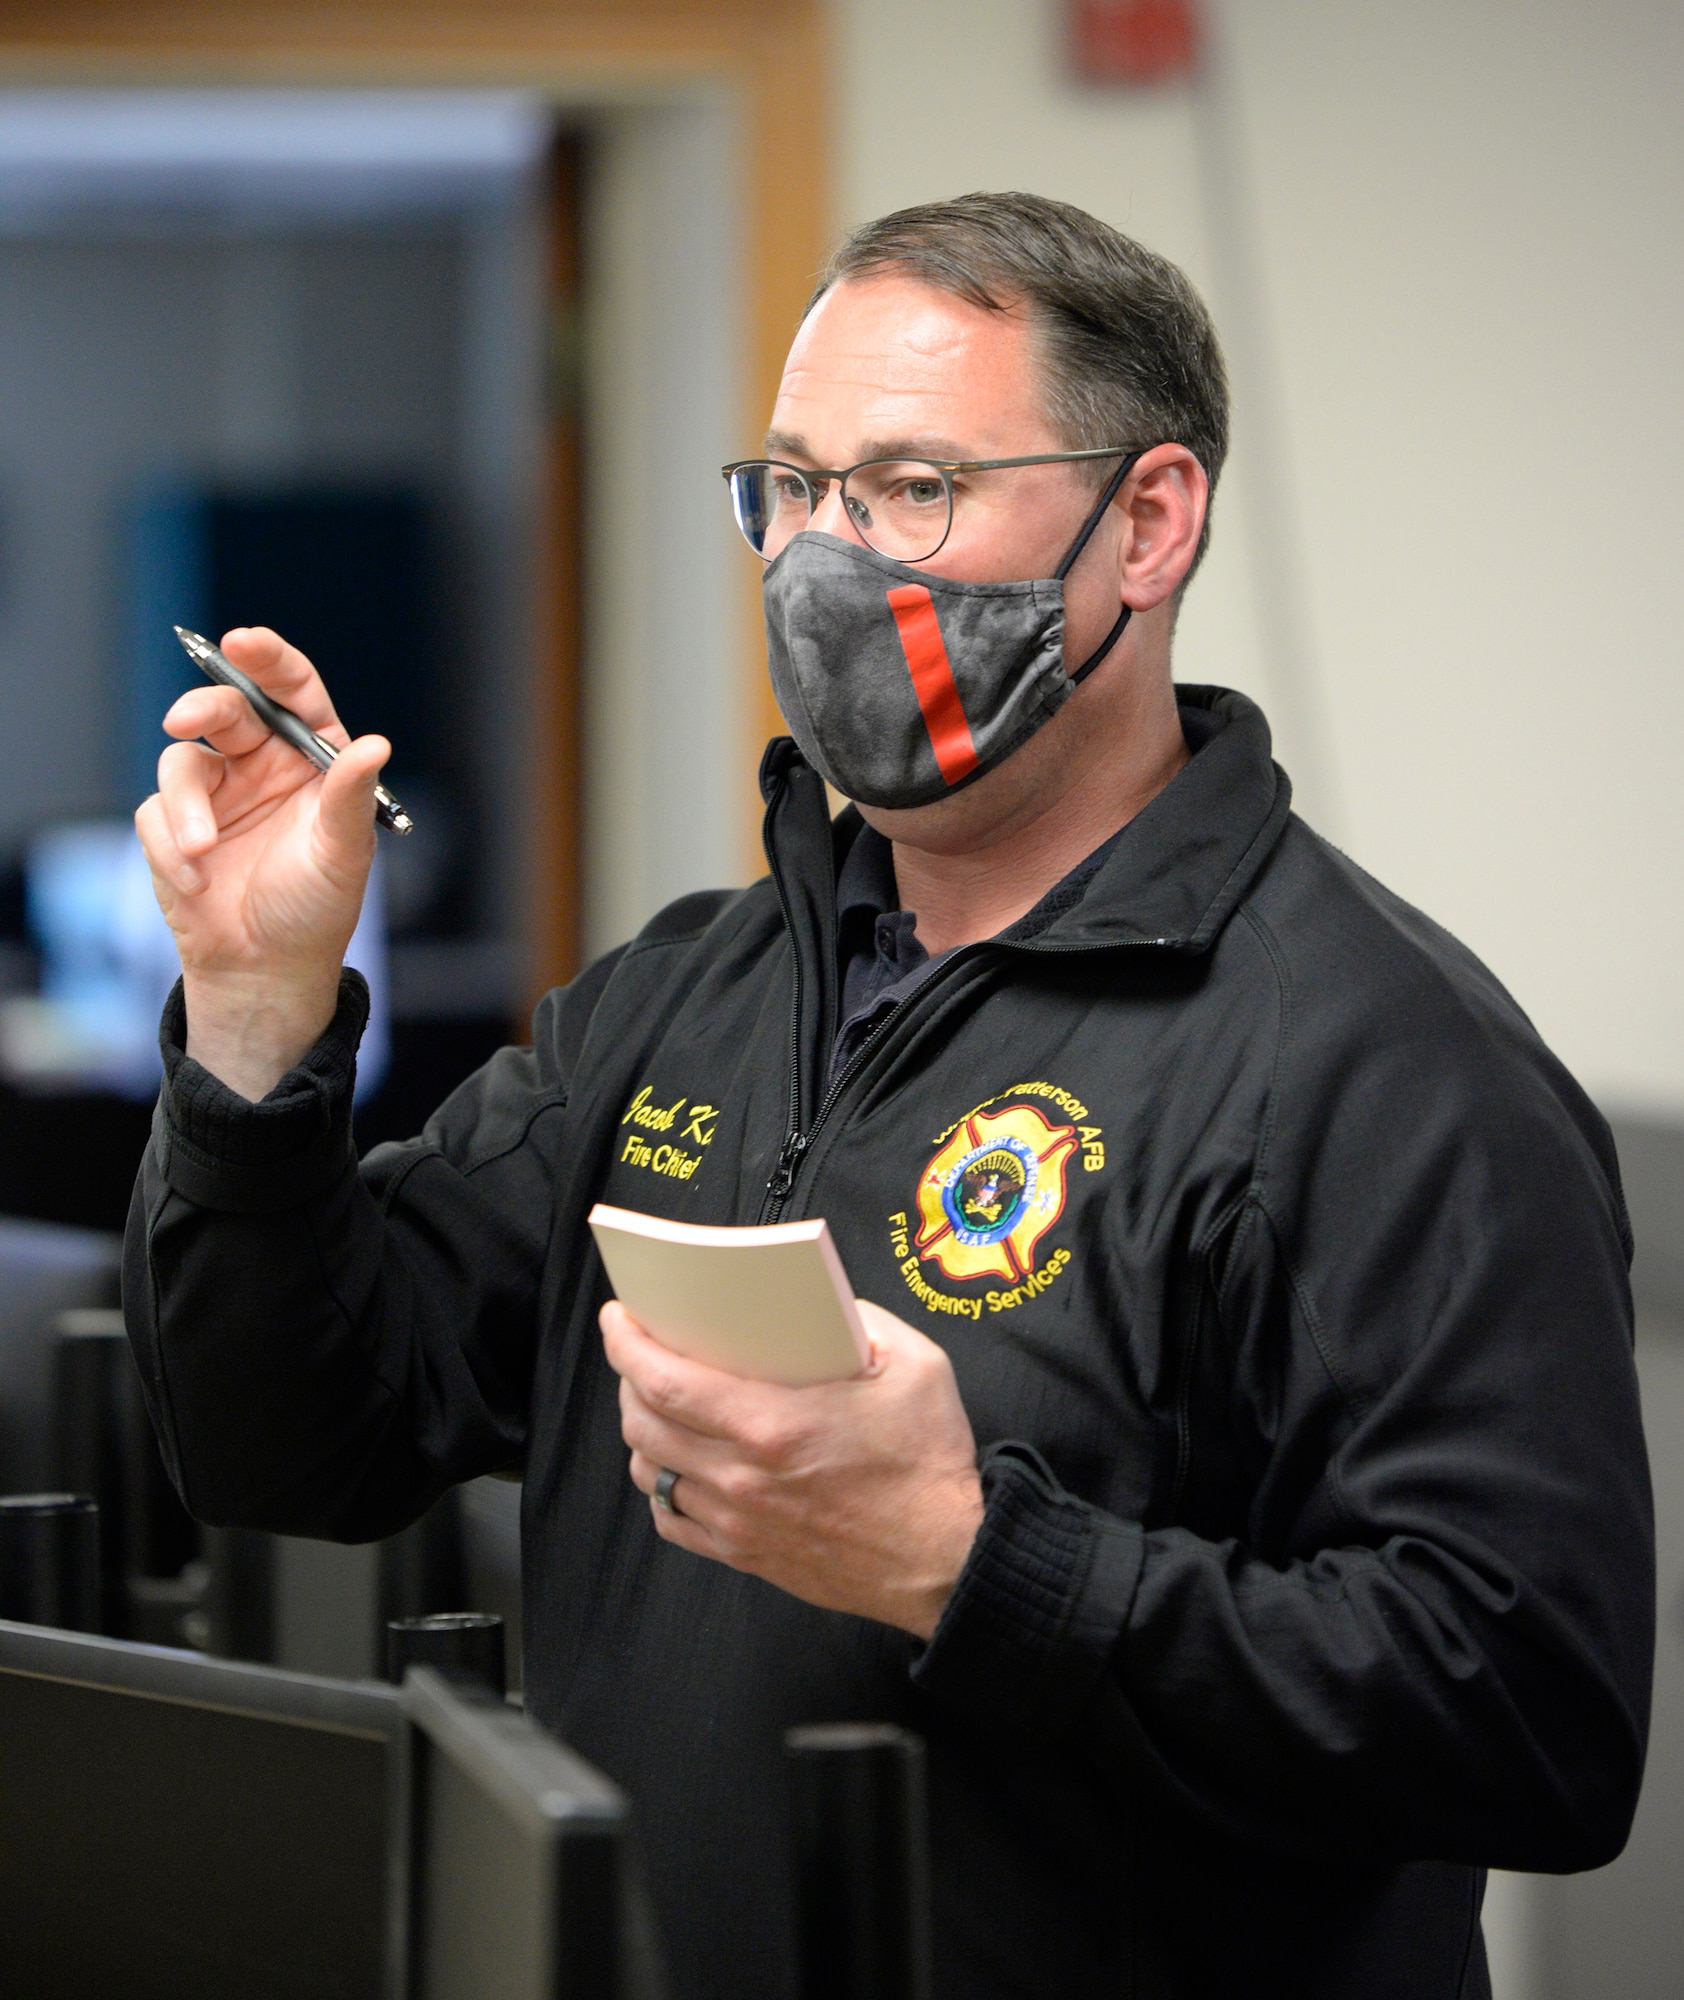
[{"x": 108, "y": 961}]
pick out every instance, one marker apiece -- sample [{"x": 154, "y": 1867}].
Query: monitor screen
[
  {"x": 108, "y": 961},
  {"x": 525, "y": 1884},
  {"x": 191, "y": 1829}
]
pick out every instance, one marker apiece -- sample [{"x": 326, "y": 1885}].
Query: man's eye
[
  {"x": 922, "y": 492},
  {"x": 790, "y": 492}
]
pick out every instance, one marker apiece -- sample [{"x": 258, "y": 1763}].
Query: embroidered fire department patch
[{"x": 992, "y": 1191}]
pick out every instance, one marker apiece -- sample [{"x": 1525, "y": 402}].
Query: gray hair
[{"x": 1128, "y": 353}]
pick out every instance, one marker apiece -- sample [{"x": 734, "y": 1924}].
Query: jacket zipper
[
  {"x": 794, "y": 1143},
  {"x": 797, "y": 1143}
]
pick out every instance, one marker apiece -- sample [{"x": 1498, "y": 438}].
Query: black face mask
[{"x": 900, "y": 686}]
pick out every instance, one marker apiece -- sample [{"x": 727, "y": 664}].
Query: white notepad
[{"x": 772, "y": 1302}]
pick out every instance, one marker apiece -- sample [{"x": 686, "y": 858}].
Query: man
[{"x": 1246, "y": 1499}]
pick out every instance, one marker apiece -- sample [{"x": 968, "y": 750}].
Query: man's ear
[{"x": 1163, "y": 500}]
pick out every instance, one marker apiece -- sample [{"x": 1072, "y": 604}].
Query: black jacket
[{"x": 1283, "y": 1271}]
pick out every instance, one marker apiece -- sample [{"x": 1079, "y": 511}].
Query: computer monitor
[
  {"x": 108, "y": 961},
  {"x": 525, "y": 1882},
  {"x": 179, "y": 1828}
]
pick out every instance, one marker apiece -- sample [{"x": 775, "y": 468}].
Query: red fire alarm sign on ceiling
[{"x": 1133, "y": 41}]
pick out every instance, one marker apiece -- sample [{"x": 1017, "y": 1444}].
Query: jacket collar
[
  {"x": 1187, "y": 858},
  {"x": 1172, "y": 880}
]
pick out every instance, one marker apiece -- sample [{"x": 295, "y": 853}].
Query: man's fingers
[
  {"x": 678, "y": 1525},
  {"x": 228, "y": 721},
  {"x": 345, "y": 818},
  {"x": 188, "y": 774},
  {"x": 888, "y": 1335},
  {"x": 685, "y": 1533},
  {"x": 222, "y": 716},
  {"x": 283, "y": 671},
  {"x": 667, "y": 1442},
  {"x": 172, "y": 872},
  {"x": 690, "y": 1393}
]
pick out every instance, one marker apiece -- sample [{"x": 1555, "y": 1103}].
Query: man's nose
[{"x": 830, "y": 517}]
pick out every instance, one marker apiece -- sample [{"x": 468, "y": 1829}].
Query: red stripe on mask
[{"x": 933, "y": 682}]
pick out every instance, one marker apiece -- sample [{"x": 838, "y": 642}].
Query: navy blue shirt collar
[{"x": 879, "y": 956}]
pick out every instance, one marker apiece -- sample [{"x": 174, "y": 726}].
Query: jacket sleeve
[
  {"x": 1428, "y": 1630},
  {"x": 326, "y": 1347}
]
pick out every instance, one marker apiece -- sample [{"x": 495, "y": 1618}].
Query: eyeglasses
[{"x": 901, "y": 507}]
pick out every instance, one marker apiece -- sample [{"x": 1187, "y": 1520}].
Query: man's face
[{"x": 888, "y": 367}]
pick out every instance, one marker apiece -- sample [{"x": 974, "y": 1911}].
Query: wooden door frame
[{"x": 771, "y": 56}]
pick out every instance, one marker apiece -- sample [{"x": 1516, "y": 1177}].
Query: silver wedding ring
[{"x": 665, "y": 1480}]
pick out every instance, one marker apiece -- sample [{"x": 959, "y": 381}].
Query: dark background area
[{"x": 73, "y": 1158}]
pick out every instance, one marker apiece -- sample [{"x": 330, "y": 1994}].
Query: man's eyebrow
[
  {"x": 914, "y": 447},
  {"x": 788, "y": 444}
]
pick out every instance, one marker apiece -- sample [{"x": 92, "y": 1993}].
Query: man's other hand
[{"x": 860, "y": 1496}]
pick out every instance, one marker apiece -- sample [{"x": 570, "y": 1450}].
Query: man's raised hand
[{"x": 259, "y": 862}]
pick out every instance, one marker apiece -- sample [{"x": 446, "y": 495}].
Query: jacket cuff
[
  {"x": 221, "y": 1151},
  {"x": 1040, "y": 1602}
]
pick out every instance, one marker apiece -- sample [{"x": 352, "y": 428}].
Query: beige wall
[{"x": 1444, "y": 244}]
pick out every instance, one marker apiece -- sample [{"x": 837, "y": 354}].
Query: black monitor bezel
[
  {"x": 550, "y": 1788},
  {"x": 162, "y": 1673},
  {"x": 576, "y": 1817}
]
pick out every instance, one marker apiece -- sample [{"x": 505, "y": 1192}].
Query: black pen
[{"x": 216, "y": 665}]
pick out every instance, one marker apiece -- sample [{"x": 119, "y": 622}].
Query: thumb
[
  {"x": 345, "y": 817},
  {"x": 887, "y": 1334}
]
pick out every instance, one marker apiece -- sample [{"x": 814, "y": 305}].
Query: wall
[
  {"x": 664, "y": 708},
  {"x": 1444, "y": 245}
]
